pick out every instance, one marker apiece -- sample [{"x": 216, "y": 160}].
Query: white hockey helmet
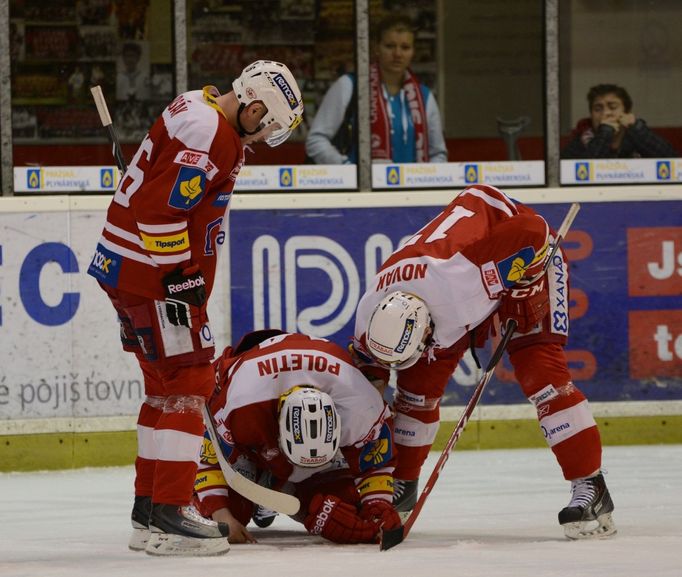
[
  {"x": 399, "y": 330},
  {"x": 273, "y": 84},
  {"x": 309, "y": 426}
]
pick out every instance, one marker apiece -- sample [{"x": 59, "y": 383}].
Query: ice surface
[{"x": 492, "y": 514}]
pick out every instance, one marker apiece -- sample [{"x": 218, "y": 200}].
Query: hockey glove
[
  {"x": 527, "y": 305},
  {"x": 186, "y": 298},
  {"x": 381, "y": 512},
  {"x": 338, "y": 521}
]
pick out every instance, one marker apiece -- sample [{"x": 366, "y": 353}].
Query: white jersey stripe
[
  {"x": 492, "y": 201},
  {"x": 159, "y": 228},
  {"x": 170, "y": 259},
  {"x": 124, "y": 234},
  {"x": 131, "y": 254}
]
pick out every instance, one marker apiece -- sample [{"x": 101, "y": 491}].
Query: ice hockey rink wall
[{"x": 69, "y": 396}]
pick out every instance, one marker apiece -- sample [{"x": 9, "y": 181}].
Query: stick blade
[{"x": 392, "y": 537}]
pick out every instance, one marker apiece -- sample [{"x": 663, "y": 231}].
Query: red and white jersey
[
  {"x": 170, "y": 208},
  {"x": 246, "y": 410},
  {"x": 461, "y": 262}
]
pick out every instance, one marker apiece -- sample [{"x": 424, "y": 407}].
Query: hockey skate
[
  {"x": 181, "y": 531},
  {"x": 588, "y": 515},
  {"x": 405, "y": 496},
  {"x": 263, "y": 517},
  {"x": 140, "y": 521}
]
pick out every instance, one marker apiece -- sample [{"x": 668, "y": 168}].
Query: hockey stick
[
  {"x": 274, "y": 500},
  {"x": 104, "y": 116},
  {"x": 396, "y": 536}
]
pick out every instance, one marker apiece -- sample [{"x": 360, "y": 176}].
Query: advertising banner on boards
[{"x": 304, "y": 269}]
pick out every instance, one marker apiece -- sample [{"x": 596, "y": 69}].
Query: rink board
[
  {"x": 300, "y": 262},
  {"x": 626, "y": 278}
]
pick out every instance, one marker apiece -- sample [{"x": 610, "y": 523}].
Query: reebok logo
[
  {"x": 188, "y": 284},
  {"x": 323, "y": 516}
]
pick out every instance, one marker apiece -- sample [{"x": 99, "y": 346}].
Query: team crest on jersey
[
  {"x": 378, "y": 451},
  {"x": 207, "y": 454},
  {"x": 512, "y": 269},
  {"x": 188, "y": 189}
]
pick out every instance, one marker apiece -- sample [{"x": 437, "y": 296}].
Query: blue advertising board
[{"x": 305, "y": 269}]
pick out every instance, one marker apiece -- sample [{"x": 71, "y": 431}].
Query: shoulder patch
[
  {"x": 188, "y": 189},
  {"x": 514, "y": 267}
]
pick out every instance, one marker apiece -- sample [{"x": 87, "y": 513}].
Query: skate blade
[
  {"x": 139, "y": 539},
  {"x": 169, "y": 545},
  {"x": 600, "y": 528}
]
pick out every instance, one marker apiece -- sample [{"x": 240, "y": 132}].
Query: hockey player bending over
[
  {"x": 294, "y": 412},
  {"x": 156, "y": 260},
  {"x": 482, "y": 257}
]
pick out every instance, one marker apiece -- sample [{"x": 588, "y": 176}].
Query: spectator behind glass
[
  {"x": 132, "y": 78},
  {"x": 613, "y": 131},
  {"x": 405, "y": 119}
]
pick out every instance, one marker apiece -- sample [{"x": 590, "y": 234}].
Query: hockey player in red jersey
[
  {"x": 437, "y": 295},
  {"x": 294, "y": 409},
  {"x": 156, "y": 260}
]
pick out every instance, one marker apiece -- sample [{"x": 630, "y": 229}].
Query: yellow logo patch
[{"x": 190, "y": 189}]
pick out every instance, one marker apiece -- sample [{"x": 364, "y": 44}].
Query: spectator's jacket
[
  {"x": 639, "y": 142},
  {"x": 332, "y": 114}
]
